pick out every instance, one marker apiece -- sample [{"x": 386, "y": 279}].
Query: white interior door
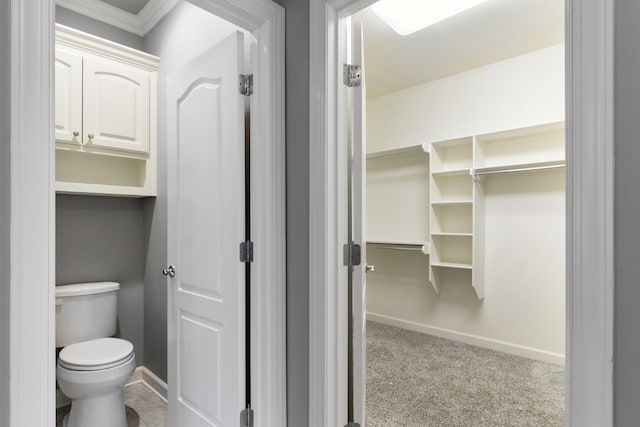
[
  {"x": 359, "y": 220},
  {"x": 206, "y": 191}
]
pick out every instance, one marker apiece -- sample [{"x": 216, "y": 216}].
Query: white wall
[
  {"x": 523, "y": 308},
  {"x": 518, "y": 92}
]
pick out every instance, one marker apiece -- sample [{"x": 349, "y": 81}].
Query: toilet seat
[{"x": 103, "y": 353}]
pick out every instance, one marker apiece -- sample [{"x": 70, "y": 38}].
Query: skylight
[{"x": 409, "y": 16}]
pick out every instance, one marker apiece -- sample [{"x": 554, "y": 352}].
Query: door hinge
[
  {"x": 352, "y": 254},
  {"x": 246, "y": 418},
  {"x": 246, "y": 251},
  {"x": 351, "y": 75},
  {"x": 246, "y": 84}
]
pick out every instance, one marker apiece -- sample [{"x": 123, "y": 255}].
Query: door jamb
[
  {"x": 32, "y": 200},
  {"x": 590, "y": 185}
]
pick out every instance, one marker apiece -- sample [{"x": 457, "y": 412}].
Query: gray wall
[
  {"x": 297, "y": 98},
  {"x": 102, "y": 239},
  {"x": 5, "y": 194},
  {"x": 100, "y": 29},
  {"x": 627, "y": 213},
  {"x": 172, "y": 40}
]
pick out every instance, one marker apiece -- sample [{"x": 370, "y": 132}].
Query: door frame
[
  {"x": 32, "y": 203},
  {"x": 589, "y": 203}
]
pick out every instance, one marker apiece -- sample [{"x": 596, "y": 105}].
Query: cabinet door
[
  {"x": 68, "y": 96},
  {"x": 116, "y": 106}
]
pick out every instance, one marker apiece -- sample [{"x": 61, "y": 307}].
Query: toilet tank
[{"x": 86, "y": 311}]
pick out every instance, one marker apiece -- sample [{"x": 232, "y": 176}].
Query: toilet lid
[{"x": 97, "y": 354}]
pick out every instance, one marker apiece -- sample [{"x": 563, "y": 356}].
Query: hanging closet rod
[
  {"x": 535, "y": 168},
  {"x": 402, "y": 247}
]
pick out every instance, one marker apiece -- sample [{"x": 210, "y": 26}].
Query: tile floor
[{"x": 144, "y": 407}]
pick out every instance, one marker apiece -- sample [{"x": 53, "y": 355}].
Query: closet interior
[{"x": 465, "y": 182}]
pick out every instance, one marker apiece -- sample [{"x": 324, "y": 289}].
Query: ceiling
[
  {"x": 131, "y": 6},
  {"x": 487, "y": 33}
]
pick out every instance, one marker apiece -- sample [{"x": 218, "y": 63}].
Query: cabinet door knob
[
  {"x": 76, "y": 133},
  {"x": 169, "y": 271},
  {"x": 369, "y": 268},
  {"x": 90, "y": 136}
]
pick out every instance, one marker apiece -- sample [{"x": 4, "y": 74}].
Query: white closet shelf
[
  {"x": 453, "y": 172},
  {"x": 452, "y": 234},
  {"x": 405, "y": 245},
  {"x": 101, "y": 190},
  {"x": 452, "y": 203},
  {"x": 520, "y": 167},
  {"x": 523, "y": 132},
  {"x": 420, "y": 148},
  {"x": 452, "y": 265}
]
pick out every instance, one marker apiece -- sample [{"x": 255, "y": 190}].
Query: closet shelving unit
[
  {"x": 451, "y": 190},
  {"x": 458, "y": 168},
  {"x": 398, "y": 176}
]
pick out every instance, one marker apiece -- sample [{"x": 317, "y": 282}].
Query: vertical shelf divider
[{"x": 477, "y": 274}]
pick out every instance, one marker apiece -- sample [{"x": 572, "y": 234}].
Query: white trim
[
  {"x": 86, "y": 42},
  {"x": 153, "y": 12},
  {"x": 590, "y": 25},
  {"x": 139, "y": 24},
  {"x": 324, "y": 390},
  {"x": 151, "y": 380},
  {"x": 32, "y": 377},
  {"x": 477, "y": 340},
  {"x": 33, "y": 213},
  {"x": 590, "y": 189},
  {"x": 104, "y": 12}
]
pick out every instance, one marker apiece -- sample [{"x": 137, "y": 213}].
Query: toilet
[{"x": 93, "y": 367}]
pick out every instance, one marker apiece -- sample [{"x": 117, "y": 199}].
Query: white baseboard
[
  {"x": 505, "y": 347},
  {"x": 151, "y": 380}
]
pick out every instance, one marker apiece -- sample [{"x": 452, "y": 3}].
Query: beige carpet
[{"x": 415, "y": 379}]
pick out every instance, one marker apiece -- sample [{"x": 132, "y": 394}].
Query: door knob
[
  {"x": 369, "y": 268},
  {"x": 90, "y": 136},
  {"x": 76, "y": 134},
  {"x": 169, "y": 271}
]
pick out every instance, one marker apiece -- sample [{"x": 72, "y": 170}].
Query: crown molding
[
  {"x": 89, "y": 43},
  {"x": 139, "y": 24},
  {"x": 153, "y": 12}
]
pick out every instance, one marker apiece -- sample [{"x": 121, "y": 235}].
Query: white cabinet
[
  {"x": 105, "y": 116},
  {"x": 116, "y": 105},
  {"x": 68, "y": 104}
]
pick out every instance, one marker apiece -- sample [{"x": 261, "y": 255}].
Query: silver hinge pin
[
  {"x": 246, "y": 251},
  {"x": 246, "y": 84},
  {"x": 246, "y": 418}
]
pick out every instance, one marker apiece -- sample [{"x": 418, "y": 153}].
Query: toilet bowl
[
  {"x": 92, "y": 374},
  {"x": 92, "y": 366}
]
